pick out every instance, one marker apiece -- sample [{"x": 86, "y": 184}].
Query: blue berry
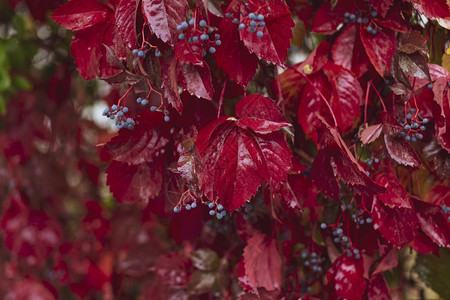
[
  {"x": 204, "y": 37},
  {"x": 369, "y": 29},
  {"x": 184, "y": 24},
  {"x": 376, "y": 160},
  {"x": 235, "y": 21},
  {"x": 252, "y": 29},
  {"x": 212, "y": 212},
  {"x": 408, "y": 116},
  {"x": 347, "y": 15},
  {"x": 339, "y": 231},
  {"x": 260, "y": 17},
  {"x": 220, "y": 207},
  {"x": 373, "y": 13},
  {"x": 352, "y": 18},
  {"x": 262, "y": 24},
  {"x": 195, "y": 39},
  {"x": 419, "y": 136},
  {"x": 425, "y": 121},
  {"x": 357, "y": 256},
  {"x": 211, "y": 205},
  {"x": 413, "y": 139},
  {"x": 181, "y": 36},
  {"x": 144, "y": 102},
  {"x": 361, "y": 221},
  {"x": 157, "y": 53},
  {"x": 251, "y": 15},
  {"x": 120, "y": 114},
  {"x": 194, "y": 205},
  {"x": 153, "y": 108},
  {"x": 212, "y": 50},
  {"x": 217, "y": 36},
  {"x": 349, "y": 254},
  {"x": 415, "y": 125},
  {"x": 219, "y": 216},
  {"x": 365, "y": 21},
  {"x": 135, "y": 51},
  {"x": 138, "y": 100},
  {"x": 202, "y": 23},
  {"x": 223, "y": 213},
  {"x": 369, "y": 220},
  {"x": 241, "y": 26},
  {"x": 203, "y": 53},
  {"x": 188, "y": 207},
  {"x": 323, "y": 225},
  {"x": 259, "y": 34},
  {"x": 105, "y": 111},
  {"x": 253, "y": 24},
  {"x": 179, "y": 27},
  {"x": 227, "y": 15},
  {"x": 423, "y": 128},
  {"x": 166, "y": 118},
  {"x": 402, "y": 134},
  {"x": 114, "y": 107},
  {"x": 359, "y": 20},
  {"x": 430, "y": 86},
  {"x": 141, "y": 54},
  {"x": 218, "y": 42},
  {"x": 191, "y": 22},
  {"x": 345, "y": 239},
  {"x": 374, "y": 31},
  {"x": 412, "y": 110},
  {"x": 166, "y": 112},
  {"x": 407, "y": 127},
  {"x": 407, "y": 137},
  {"x": 176, "y": 209}
]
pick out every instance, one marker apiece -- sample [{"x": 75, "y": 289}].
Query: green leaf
[{"x": 434, "y": 271}]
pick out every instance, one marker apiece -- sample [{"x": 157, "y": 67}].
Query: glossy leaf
[
  {"x": 125, "y": 22},
  {"x": 164, "y": 16},
  {"x": 396, "y": 195},
  {"x": 80, "y": 14},
  {"x": 196, "y": 80},
  {"x": 273, "y": 45},
  {"x": 378, "y": 288},
  {"x": 380, "y": 6},
  {"x": 397, "y": 225},
  {"x": 379, "y": 48},
  {"x": 346, "y": 277}
]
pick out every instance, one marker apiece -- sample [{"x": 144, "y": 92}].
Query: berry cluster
[
  {"x": 446, "y": 210},
  {"x": 340, "y": 238},
  {"x": 253, "y": 22},
  {"x": 312, "y": 260},
  {"x": 139, "y": 53},
  {"x": 199, "y": 33},
  {"x": 217, "y": 210},
  {"x": 188, "y": 206},
  {"x": 119, "y": 113},
  {"x": 413, "y": 126},
  {"x": 144, "y": 102},
  {"x": 361, "y": 17}
]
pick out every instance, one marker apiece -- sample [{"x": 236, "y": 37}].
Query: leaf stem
[{"x": 381, "y": 99}]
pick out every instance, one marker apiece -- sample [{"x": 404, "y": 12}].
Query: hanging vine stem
[
  {"x": 379, "y": 96},
  {"x": 319, "y": 92}
]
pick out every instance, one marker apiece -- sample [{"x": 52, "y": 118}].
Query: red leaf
[
  {"x": 273, "y": 45},
  {"x": 260, "y": 114},
  {"x": 335, "y": 162},
  {"x": 397, "y": 148},
  {"x": 379, "y": 48},
  {"x": 343, "y": 47},
  {"x": 396, "y": 195},
  {"x": 189, "y": 52},
  {"x": 232, "y": 56},
  {"x": 394, "y": 19},
  {"x": 142, "y": 144},
  {"x": 81, "y": 14},
  {"x": 347, "y": 96},
  {"x": 164, "y": 16},
  {"x": 134, "y": 183},
  {"x": 432, "y": 9},
  {"x": 316, "y": 59},
  {"x": 327, "y": 19},
  {"x": 196, "y": 80},
  {"x": 397, "y": 225},
  {"x": 378, "y": 289},
  {"x": 169, "y": 83},
  {"x": 125, "y": 22},
  {"x": 262, "y": 263},
  {"x": 388, "y": 261},
  {"x": 311, "y": 104},
  {"x": 380, "y": 6},
  {"x": 423, "y": 244},
  {"x": 371, "y": 133},
  {"x": 433, "y": 222},
  {"x": 346, "y": 276},
  {"x": 235, "y": 160}
]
